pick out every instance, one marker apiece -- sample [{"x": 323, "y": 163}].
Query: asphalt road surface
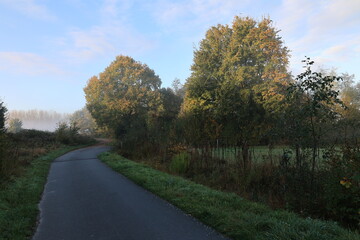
[{"x": 84, "y": 199}]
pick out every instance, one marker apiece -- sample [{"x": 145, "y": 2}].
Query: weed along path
[{"x": 84, "y": 199}]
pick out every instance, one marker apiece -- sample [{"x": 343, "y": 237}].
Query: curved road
[{"x": 84, "y": 199}]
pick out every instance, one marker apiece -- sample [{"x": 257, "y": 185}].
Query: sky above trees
[{"x": 49, "y": 49}]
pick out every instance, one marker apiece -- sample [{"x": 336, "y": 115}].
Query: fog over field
[{"x": 38, "y": 119}]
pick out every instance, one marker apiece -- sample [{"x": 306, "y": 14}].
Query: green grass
[
  {"x": 260, "y": 154},
  {"x": 228, "y": 213},
  {"x": 20, "y": 197}
]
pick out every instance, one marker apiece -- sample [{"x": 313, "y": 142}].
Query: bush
[
  {"x": 15, "y": 125},
  {"x": 3, "y": 111},
  {"x": 180, "y": 163},
  {"x": 4, "y": 157},
  {"x": 69, "y": 134},
  {"x": 226, "y": 212},
  {"x": 331, "y": 192},
  {"x": 64, "y": 134},
  {"x": 32, "y": 137},
  {"x": 342, "y": 185}
]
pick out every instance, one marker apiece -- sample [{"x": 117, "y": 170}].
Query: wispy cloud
[
  {"x": 103, "y": 40},
  {"x": 193, "y": 14},
  {"x": 85, "y": 45},
  {"x": 27, "y": 63},
  {"x": 336, "y": 15},
  {"x": 30, "y": 8},
  {"x": 115, "y": 9},
  {"x": 344, "y": 52},
  {"x": 111, "y": 36},
  {"x": 294, "y": 16},
  {"x": 327, "y": 31}
]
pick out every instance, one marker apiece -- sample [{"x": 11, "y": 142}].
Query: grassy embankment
[
  {"x": 228, "y": 213},
  {"x": 19, "y": 198}
]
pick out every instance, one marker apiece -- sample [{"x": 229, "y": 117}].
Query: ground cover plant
[{"x": 228, "y": 213}]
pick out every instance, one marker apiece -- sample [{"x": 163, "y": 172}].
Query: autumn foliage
[{"x": 240, "y": 95}]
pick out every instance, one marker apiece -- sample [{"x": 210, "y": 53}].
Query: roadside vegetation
[
  {"x": 18, "y": 149},
  {"x": 228, "y": 213},
  {"x": 20, "y": 196},
  {"x": 25, "y": 158},
  {"x": 242, "y": 123}
]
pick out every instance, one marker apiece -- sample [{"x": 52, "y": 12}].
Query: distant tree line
[
  {"x": 50, "y": 120},
  {"x": 35, "y": 114},
  {"x": 37, "y": 119}
]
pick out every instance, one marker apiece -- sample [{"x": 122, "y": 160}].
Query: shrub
[
  {"x": 15, "y": 125},
  {"x": 69, "y": 134},
  {"x": 3, "y": 111},
  {"x": 180, "y": 163},
  {"x": 4, "y": 157},
  {"x": 342, "y": 185}
]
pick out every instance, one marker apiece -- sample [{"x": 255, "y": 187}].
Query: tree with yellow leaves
[
  {"x": 123, "y": 97},
  {"x": 238, "y": 80}
]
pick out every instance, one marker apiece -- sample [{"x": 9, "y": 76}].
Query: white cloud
[
  {"x": 194, "y": 14},
  {"x": 293, "y": 15},
  {"x": 110, "y": 37},
  {"x": 102, "y": 41},
  {"x": 344, "y": 52},
  {"x": 325, "y": 30},
  {"x": 110, "y": 8},
  {"x": 27, "y": 63},
  {"x": 86, "y": 45},
  {"x": 29, "y": 8},
  {"x": 336, "y": 50},
  {"x": 336, "y": 15},
  {"x": 118, "y": 10}
]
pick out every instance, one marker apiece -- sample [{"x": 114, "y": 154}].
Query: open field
[{"x": 259, "y": 154}]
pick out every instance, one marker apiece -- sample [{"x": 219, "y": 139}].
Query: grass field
[
  {"x": 228, "y": 213},
  {"x": 19, "y": 198},
  {"x": 259, "y": 154}
]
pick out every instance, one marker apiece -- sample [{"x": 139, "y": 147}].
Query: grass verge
[
  {"x": 228, "y": 213},
  {"x": 19, "y": 199}
]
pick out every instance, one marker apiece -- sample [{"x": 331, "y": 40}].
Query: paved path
[{"x": 84, "y": 199}]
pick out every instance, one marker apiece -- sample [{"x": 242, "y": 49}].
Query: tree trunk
[
  {"x": 245, "y": 155},
  {"x": 298, "y": 156}
]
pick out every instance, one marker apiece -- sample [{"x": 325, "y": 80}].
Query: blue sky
[{"x": 49, "y": 49}]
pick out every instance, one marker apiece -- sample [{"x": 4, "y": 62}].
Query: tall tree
[
  {"x": 123, "y": 97},
  {"x": 84, "y": 121},
  {"x": 38, "y": 119},
  {"x": 15, "y": 125},
  {"x": 350, "y": 95},
  {"x": 3, "y": 111},
  {"x": 161, "y": 122},
  {"x": 312, "y": 97},
  {"x": 238, "y": 78}
]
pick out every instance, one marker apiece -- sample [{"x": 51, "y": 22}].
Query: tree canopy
[
  {"x": 240, "y": 95},
  {"x": 15, "y": 125},
  {"x": 3, "y": 111},
  {"x": 239, "y": 76},
  {"x": 124, "y": 97},
  {"x": 84, "y": 121}
]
